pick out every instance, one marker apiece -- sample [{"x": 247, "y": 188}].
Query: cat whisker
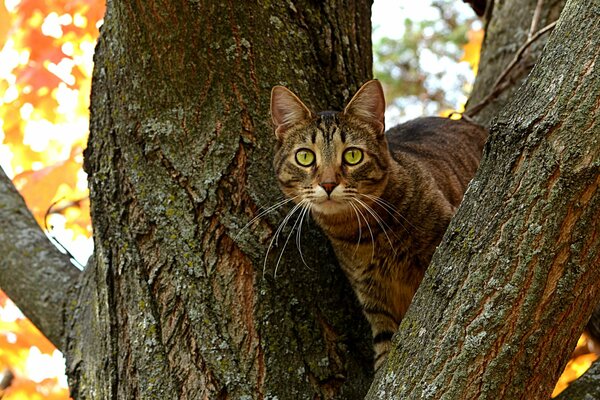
[
  {"x": 368, "y": 226},
  {"x": 298, "y": 219},
  {"x": 359, "y": 228},
  {"x": 387, "y": 206},
  {"x": 265, "y": 212},
  {"x": 380, "y": 221},
  {"x": 303, "y": 213},
  {"x": 276, "y": 235}
]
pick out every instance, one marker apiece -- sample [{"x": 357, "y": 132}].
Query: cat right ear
[
  {"x": 287, "y": 110},
  {"x": 368, "y": 104}
]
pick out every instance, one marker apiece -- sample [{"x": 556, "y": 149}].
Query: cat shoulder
[{"x": 423, "y": 127}]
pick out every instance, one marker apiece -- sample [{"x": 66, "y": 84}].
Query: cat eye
[
  {"x": 305, "y": 157},
  {"x": 353, "y": 156}
]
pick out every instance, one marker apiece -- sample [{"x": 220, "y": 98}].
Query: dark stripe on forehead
[{"x": 328, "y": 122}]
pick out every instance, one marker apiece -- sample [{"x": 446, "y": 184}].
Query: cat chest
[
  {"x": 382, "y": 279},
  {"x": 376, "y": 261}
]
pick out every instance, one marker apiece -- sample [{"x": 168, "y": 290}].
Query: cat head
[{"x": 331, "y": 159}]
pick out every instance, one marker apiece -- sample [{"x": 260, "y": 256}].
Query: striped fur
[{"x": 386, "y": 214}]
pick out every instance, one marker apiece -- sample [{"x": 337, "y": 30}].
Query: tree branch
[
  {"x": 33, "y": 273},
  {"x": 501, "y": 83},
  {"x": 513, "y": 281}
]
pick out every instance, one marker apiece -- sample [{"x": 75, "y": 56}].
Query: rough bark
[
  {"x": 176, "y": 303},
  {"x": 508, "y": 26},
  {"x": 32, "y": 271},
  {"x": 514, "y": 280}
]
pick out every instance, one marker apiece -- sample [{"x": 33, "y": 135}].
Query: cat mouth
[
  {"x": 327, "y": 201},
  {"x": 329, "y": 206}
]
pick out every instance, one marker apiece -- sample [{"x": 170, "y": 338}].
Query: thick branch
[
  {"x": 33, "y": 273},
  {"x": 515, "y": 278}
]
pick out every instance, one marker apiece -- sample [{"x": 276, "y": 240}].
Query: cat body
[{"x": 383, "y": 200}]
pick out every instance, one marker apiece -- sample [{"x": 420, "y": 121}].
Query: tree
[
  {"x": 514, "y": 280},
  {"x": 175, "y": 303},
  {"x": 175, "y": 300}
]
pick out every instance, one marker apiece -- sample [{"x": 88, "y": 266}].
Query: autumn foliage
[
  {"x": 45, "y": 75},
  {"x": 45, "y": 78},
  {"x": 46, "y": 62}
]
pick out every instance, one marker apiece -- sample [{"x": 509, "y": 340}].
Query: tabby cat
[{"x": 383, "y": 199}]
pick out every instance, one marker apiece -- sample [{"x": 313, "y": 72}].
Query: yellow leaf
[
  {"x": 5, "y": 24},
  {"x": 41, "y": 188},
  {"x": 473, "y": 48},
  {"x": 575, "y": 367}
]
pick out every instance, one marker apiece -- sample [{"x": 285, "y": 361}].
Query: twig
[
  {"x": 52, "y": 237},
  {"x": 462, "y": 116},
  {"x": 536, "y": 18},
  {"x": 7, "y": 378},
  {"x": 496, "y": 87},
  {"x": 478, "y": 6},
  {"x": 71, "y": 203}
]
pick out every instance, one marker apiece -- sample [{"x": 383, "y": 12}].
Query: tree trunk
[
  {"x": 514, "y": 281},
  {"x": 176, "y": 303}
]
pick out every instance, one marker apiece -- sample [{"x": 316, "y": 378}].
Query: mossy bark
[
  {"x": 176, "y": 303},
  {"x": 514, "y": 280}
]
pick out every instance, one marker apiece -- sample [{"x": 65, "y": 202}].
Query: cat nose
[{"x": 328, "y": 186}]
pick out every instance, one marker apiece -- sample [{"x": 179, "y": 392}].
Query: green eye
[
  {"x": 305, "y": 157},
  {"x": 353, "y": 156}
]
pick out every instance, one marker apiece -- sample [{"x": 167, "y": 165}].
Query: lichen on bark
[
  {"x": 512, "y": 284},
  {"x": 178, "y": 162}
]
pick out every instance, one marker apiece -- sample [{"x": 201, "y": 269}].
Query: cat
[{"x": 384, "y": 200}]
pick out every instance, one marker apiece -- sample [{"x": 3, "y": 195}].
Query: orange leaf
[
  {"x": 27, "y": 335},
  {"x": 3, "y": 299},
  {"x": 39, "y": 188},
  {"x": 25, "y": 389},
  {"x": 5, "y": 24}
]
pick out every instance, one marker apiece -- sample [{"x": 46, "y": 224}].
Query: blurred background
[{"x": 425, "y": 54}]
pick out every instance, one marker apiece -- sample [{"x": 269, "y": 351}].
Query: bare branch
[
  {"x": 536, "y": 19},
  {"x": 5, "y": 380},
  {"x": 33, "y": 273},
  {"x": 501, "y": 83}
]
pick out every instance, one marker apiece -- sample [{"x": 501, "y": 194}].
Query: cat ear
[
  {"x": 287, "y": 110},
  {"x": 368, "y": 104}
]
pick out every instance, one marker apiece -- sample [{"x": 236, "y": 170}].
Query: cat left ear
[
  {"x": 287, "y": 110},
  {"x": 368, "y": 104}
]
